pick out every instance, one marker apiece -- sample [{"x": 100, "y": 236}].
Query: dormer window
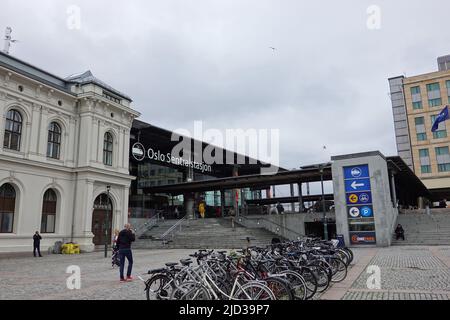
[{"x": 111, "y": 97}]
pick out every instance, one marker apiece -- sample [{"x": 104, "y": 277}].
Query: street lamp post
[
  {"x": 325, "y": 224},
  {"x": 108, "y": 188}
]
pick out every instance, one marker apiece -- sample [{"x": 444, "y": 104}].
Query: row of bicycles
[{"x": 298, "y": 270}]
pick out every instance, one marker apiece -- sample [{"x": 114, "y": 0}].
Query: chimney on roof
[{"x": 444, "y": 63}]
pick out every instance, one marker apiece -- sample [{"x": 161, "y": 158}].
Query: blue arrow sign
[{"x": 357, "y": 185}]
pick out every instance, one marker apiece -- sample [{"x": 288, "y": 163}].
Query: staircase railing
[
  {"x": 143, "y": 228},
  {"x": 172, "y": 230},
  {"x": 278, "y": 226}
]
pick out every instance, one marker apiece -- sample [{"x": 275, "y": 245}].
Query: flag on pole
[{"x": 440, "y": 118}]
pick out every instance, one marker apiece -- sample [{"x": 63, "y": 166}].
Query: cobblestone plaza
[{"x": 407, "y": 273}]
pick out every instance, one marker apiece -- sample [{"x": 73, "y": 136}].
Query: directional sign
[
  {"x": 357, "y": 185},
  {"x": 356, "y": 172},
  {"x": 359, "y": 198},
  {"x": 354, "y": 212},
  {"x": 352, "y": 198}
]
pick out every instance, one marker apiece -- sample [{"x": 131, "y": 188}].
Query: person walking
[
  {"x": 37, "y": 244},
  {"x": 124, "y": 240}
]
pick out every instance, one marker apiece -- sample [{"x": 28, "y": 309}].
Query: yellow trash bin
[
  {"x": 75, "y": 249},
  {"x": 67, "y": 248}
]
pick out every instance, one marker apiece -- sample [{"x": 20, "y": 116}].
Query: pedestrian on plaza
[
  {"x": 37, "y": 244},
  {"x": 201, "y": 210},
  {"x": 399, "y": 232},
  {"x": 124, "y": 240}
]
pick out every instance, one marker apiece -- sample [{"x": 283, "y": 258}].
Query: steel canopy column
[
  {"x": 300, "y": 198},
  {"x": 292, "y": 195}
]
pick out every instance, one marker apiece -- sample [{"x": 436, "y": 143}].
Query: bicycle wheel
[
  {"x": 310, "y": 281},
  {"x": 321, "y": 275},
  {"x": 344, "y": 256},
  {"x": 280, "y": 288},
  {"x": 199, "y": 292},
  {"x": 339, "y": 270},
  {"x": 297, "y": 283},
  {"x": 182, "y": 289},
  {"x": 350, "y": 253},
  {"x": 158, "y": 287},
  {"x": 254, "y": 291}
]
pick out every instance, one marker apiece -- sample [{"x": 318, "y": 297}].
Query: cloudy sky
[{"x": 209, "y": 60}]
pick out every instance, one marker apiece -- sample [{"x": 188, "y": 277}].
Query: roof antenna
[{"x": 8, "y": 40}]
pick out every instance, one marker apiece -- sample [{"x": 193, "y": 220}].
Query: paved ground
[
  {"x": 406, "y": 273},
  {"x": 45, "y": 278}
]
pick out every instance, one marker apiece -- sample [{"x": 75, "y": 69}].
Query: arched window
[
  {"x": 54, "y": 141},
  {"x": 7, "y": 207},
  {"x": 49, "y": 212},
  {"x": 13, "y": 130},
  {"x": 108, "y": 149}
]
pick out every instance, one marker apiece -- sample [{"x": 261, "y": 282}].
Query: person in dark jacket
[
  {"x": 37, "y": 244},
  {"x": 399, "y": 232},
  {"x": 124, "y": 240}
]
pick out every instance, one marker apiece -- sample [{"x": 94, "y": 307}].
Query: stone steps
[
  {"x": 422, "y": 229},
  {"x": 209, "y": 234}
]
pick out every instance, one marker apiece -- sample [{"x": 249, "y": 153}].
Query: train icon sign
[{"x": 356, "y": 172}]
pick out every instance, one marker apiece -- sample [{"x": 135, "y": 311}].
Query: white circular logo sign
[
  {"x": 138, "y": 151},
  {"x": 354, "y": 212}
]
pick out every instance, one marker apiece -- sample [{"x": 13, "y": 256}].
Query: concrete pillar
[
  {"x": 394, "y": 192},
  {"x": 189, "y": 205}
]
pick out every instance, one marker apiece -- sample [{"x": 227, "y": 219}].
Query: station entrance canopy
[{"x": 408, "y": 186}]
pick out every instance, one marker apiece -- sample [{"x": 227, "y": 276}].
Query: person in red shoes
[{"x": 124, "y": 240}]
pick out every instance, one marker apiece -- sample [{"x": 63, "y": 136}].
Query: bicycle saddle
[
  {"x": 186, "y": 262},
  {"x": 156, "y": 271},
  {"x": 171, "y": 264}
]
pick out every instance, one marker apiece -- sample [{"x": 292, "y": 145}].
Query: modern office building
[{"x": 416, "y": 101}]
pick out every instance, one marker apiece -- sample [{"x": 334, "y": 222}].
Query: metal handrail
[
  {"x": 271, "y": 222},
  {"x": 172, "y": 228},
  {"x": 147, "y": 225}
]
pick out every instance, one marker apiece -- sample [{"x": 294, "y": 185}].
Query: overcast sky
[{"x": 181, "y": 61}]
